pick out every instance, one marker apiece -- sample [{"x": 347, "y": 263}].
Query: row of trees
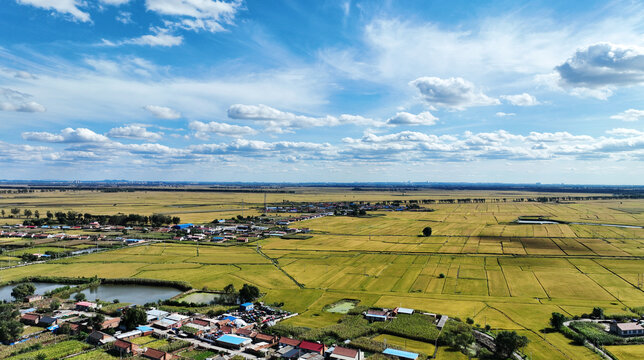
[{"x": 76, "y": 218}]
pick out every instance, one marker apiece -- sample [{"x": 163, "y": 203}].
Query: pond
[
  {"x": 201, "y": 298},
  {"x": 135, "y": 294},
  {"x": 342, "y": 306},
  {"x": 41, "y": 288}
]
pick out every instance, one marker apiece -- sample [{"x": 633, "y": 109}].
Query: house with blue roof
[
  {"x": 233, "y": 341},
  {"x": 406, "y": 355}
]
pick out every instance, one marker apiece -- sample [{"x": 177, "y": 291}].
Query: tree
[
  {"x": 427, "y": 231},
  {"x": 54, "y": 305},
  {"x": 21, "y": 291},
  {"x": 230, "y": 294},
  {"x": 10, "y": 327},
  {"x": 133, "y": 317},
  {"x": 37, "y": 214},
  {"x": 97, "y": 321},
  {"x": 176, "y": 220},
  {"x": 248, "y": 293},
  {"x": 15, "y": 211},
  {"x": 49, "y": 215},
  {"x": 80, "y": 296},
  {"x": 3, "y": 213},
  {"x": 557, "y": 320},
  {"x": 598, "y": 313},
  {"x": 64, "y": 329},
  {"x": 27, "y": 213},
  {"x": 458, "y": 335},
  {"x": 508, "y": 342}
]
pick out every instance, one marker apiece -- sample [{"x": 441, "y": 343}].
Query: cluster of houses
[
  {"x": 338, "y": 208},
  {"x": 223, "y": 331},
  {"x": 34, "y": 235},
  {"x": 241, "y": 233}
]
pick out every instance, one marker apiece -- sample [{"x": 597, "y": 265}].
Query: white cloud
[
  {"x": 281, "y": 121},
  {"x": 625, "y": 132},
  {"x": 629, "y": 115},
  {"x": 161, "y": 37},
  {"x": 114, "y": 2},
  {"x": 524, "y": 99},
  {"x": 456, "y": 93},
  {"x": 204, "y": 130},
  {"x": 70, "y": 7},
  {"x": 504, "y": 114},
  {"x": 67, "y": 135},
  {"x": 597, "y": 69},
  {"x": 405, "y": 118},
  {"x": 13, "y": 100},
  {"x": 208, "y": 15},
  {"x": 124, "y": 17},
  {"x": 133, "y": 132},
  {"x": 162, "y": 112}
]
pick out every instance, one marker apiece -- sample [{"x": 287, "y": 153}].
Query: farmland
[{"x": 477, "y": 263}]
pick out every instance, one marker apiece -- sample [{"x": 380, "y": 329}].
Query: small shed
[{"x": 246, "y": 306}]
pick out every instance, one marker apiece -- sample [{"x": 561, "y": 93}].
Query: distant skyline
[{"x": 323, "y": 91}]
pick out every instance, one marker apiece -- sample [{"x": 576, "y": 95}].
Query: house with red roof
[
  {"x": 157, "y": 354},
  {"x": 284, "y": 341},
  {"x": 341, "y": 353},
  {"x": 313, "y": 347},
  {"x": 125, "y": 348}
]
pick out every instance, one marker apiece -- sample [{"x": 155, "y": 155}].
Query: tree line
[{"x": 75, "y": 218}]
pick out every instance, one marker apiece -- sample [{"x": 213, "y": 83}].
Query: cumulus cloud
[
  {"x": 204, "y": 130},
  {"x": 405, "y": 118},
  {"x": 208, "y": 15},
  {"x": 133, "y": 132},
  {"x": 596, "y": 69},
  {"x": 66, "y": 7},
  {"x": 13, "y": 100},
  {"x": 455, "y": 92},
  {"x": 68, "y": 135},
  {"x": 500, "y": 144},
  {"x": 524, "y": 99},
  {"x": 504, "y": 114},
  {"x": 281, "y": 121},
  {"x": 162, "y": 112},
  {"x": 629, "y": 115}
]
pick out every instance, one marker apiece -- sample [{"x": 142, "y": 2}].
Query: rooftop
[
  {"x": 232, "y": 339},
  {"x": 400, "y": 353}
]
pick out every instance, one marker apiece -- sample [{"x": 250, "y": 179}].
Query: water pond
[
  {"x": 342, "y": 306},
  {"x": 135, "y": 294}
]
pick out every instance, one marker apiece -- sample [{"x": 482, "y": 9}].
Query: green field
[{"x": 507, "y": 275}]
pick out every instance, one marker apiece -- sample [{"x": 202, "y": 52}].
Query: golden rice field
[{"x": 506, "y": 275}]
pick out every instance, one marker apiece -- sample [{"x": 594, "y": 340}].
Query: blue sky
[{"x": 322, "y": 90}]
